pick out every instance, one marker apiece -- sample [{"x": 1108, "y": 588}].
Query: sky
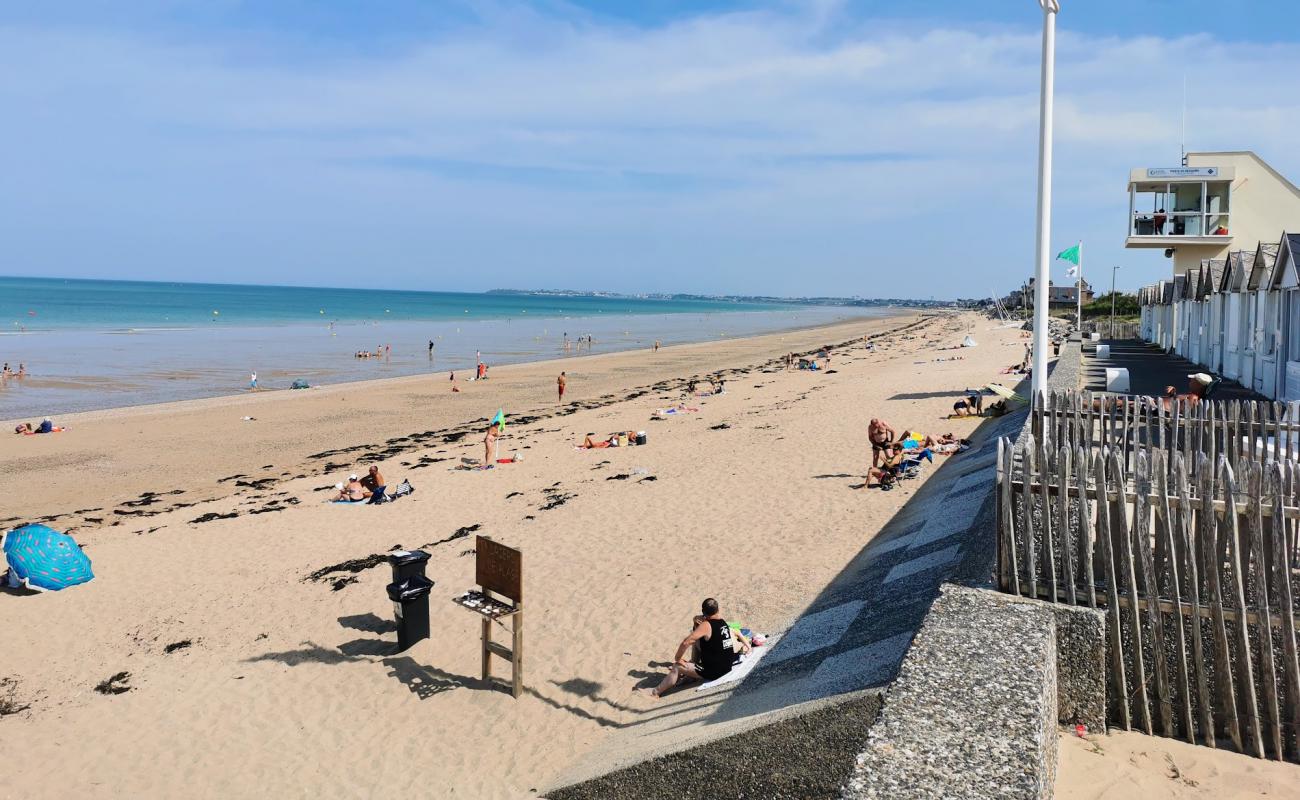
[{"x": 871, "y": 148}]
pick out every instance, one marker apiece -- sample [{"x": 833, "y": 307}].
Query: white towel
[{"x": 739, "y": 671}]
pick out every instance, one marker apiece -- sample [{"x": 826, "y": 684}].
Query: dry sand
[
  {"x": 292, "y": 686},
  {"x": 1132, "y": 765}
]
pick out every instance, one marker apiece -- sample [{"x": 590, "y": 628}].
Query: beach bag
[
  {"x": 640, "y": 437},
  {"x": 403, "y": 489}
]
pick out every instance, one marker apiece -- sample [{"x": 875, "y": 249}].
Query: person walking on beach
[
  {"x": 560, "y": 384},
  {"x": 252, "y": 382},
  {"x": 656, "y": 345},
  {"x": 430, "y": 349},
  {"x": 454, "y": 387},
  {"x": 715, "y": 656}
]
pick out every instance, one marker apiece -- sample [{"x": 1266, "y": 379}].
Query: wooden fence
[
  {"x": 1193, "y": 558},
  {"x": 1117, "y": 330},
  {"x": 1240, "y": 430}
]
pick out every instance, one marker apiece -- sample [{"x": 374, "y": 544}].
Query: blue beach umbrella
[{"x": 42, "y": 558}]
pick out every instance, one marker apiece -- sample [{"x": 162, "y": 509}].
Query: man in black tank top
[{"x": 715, "y": 655}]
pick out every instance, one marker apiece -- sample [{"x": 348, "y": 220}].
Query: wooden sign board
[{"x": 499, "y": 568}]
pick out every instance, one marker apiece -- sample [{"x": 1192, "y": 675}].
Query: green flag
[
  {"x": 499, "y": 420},
  {"x": 1071, "y": 255}
]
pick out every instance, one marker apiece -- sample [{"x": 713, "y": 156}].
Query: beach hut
[
  {"x": 1146, "y": 311},
  {"x": 1180, "y": 313},
  {"x": 1212, "y": 336},
  {"x": 1192, "y": 314},
  {"x": 1286, "y": 284},
  {"x": 1238, "y": 312},
  {"x": 1167, "y": 315},
  {"x": 1263, "y": 370}
]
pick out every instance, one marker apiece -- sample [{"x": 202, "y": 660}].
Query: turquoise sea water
[
  {"x": 62, "y": 304},
  {"x": 104, "y": 344}
]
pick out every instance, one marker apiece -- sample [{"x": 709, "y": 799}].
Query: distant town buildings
[{"x": 1057, "y": 296}]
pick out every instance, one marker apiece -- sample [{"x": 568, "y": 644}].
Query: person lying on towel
[{"x": 714, "y": 651}]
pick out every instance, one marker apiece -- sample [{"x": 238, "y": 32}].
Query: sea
[{"x": 91, "y": 344}]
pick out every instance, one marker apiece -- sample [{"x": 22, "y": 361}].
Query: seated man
[
  {"x": 374, "y": 485},
  {"x": 891, "y": 465},
  {"x": 716, "y": 654}
]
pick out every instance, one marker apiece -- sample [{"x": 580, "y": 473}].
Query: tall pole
[
  {"x": 1078, "y": 291},
  {"x": 1041, "y": 308},
  {"x": 1112, "y": 300}
]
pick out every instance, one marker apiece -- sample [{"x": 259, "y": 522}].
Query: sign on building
[{"x": 1183, "y": 172}]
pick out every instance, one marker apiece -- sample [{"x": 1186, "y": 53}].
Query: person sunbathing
[
  {"x": 911, "y": 440},
  {"x": 711, "y": 637},
  {"x": 352, "y": 491},
  {"x": 590, "y": 444}
]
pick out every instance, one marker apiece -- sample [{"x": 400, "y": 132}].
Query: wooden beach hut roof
[
  {"x": 1193, "y": 284},
  {"x": 1262, "y": 266},
  {"x": 1212, "y": 276},
  {"x": 1286, "y": 267},
  {"x": 1167, "y": 292},
  {"x": 1178, "y": 290},
  {"x": 1241, "y": 267}
]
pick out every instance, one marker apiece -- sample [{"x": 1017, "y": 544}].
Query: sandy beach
[
  {"x": 1132, "y": 765},
  {"x": 249, "y": 676}
]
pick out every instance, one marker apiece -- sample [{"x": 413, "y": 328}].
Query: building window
[{"x": 1185, "y": 208}]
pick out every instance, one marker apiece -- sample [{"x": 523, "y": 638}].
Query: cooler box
[{"x": 1116, "y": 379}]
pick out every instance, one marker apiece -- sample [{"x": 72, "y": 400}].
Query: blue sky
[{"x": 795, "y": 148}]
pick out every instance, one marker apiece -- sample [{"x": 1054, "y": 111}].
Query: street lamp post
[
  {"x": 1112, "y": 301},
  {"x": 1041, "y": 307}
]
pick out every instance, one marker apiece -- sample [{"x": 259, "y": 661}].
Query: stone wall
[{"x": 973, "y": 713}]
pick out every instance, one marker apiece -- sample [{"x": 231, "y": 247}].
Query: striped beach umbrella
[{"x": 44, "y": 559}]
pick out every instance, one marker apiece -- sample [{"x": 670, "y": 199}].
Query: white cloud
[{"x": 745, "y": 152}]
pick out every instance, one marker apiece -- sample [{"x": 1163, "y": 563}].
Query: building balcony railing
[{"x": 1179, "y": 224}]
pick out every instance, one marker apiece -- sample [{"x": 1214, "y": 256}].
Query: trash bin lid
[
  {"x": 402, "y": 557},
  {"x": 413, "y": 588}
]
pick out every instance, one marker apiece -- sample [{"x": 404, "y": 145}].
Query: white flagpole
[
  {"x": 1078, "y": 289},
  {"x": 1041, "y": 307}
]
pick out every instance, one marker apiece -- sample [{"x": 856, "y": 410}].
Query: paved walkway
[
  {"x": 1150, "y": 370},
  {"x": 855, "y": 634}
]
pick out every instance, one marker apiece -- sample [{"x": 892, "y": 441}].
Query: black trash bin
[
  {"x": 407, "y": 564},
  {"x": 411, "y": 606}
]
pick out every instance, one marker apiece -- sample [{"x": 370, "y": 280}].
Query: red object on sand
[{"x": 1080, "y": 730}]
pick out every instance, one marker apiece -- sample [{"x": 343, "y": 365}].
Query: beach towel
[{"x": 739, "y": 671}]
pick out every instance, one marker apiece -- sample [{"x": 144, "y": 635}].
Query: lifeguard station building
[
  {"x": 1229, "y": 223},
  {"x": 1215, "y": 203}
]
